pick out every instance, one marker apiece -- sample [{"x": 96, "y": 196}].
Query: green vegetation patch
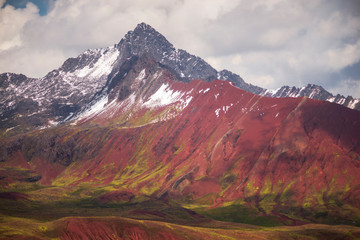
[{"x": 240, "y": 214}]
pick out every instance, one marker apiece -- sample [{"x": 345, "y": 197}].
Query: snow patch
[
  {"x": 332, "y": 99},
  {"x": 9, "y": 129},
  {"x": 271, "y": 92},
  {"x": 301, "y": 90},
  {"x": 186, "y": 102},
  {"x": 312, "y": 94},
  {"x": 217, "y": 112},
  {"x": 293, "y": 94},
  {"x": 102, "y": 67},
  {"x": 113, "y": 107},
  {"x": 341, "y": 101},
  {"x": 94, "y": 110},
  {"x": 52, "y": 123},
  {"x": 224, "y": 109},
  {"x": 141, "y": 75},
  {"x": 139, "y": 79},
  {"x": 353, "y": 103},
  {"x": 163, "y": 96}
]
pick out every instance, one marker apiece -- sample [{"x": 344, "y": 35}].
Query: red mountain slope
[{"x": 199, "y": 143}]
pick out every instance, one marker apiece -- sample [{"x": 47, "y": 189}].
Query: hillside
[{"x": 144, "y": 145}]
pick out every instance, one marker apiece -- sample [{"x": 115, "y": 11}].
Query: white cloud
[
  {"x": 346, "y": 55},
  {"x": 12, "y": 23},
  {"x": 237, "y": 59},
  {"x": 269, "y": 43},
  {"x": 31, "y": 61},
  {"x": 350, "y": 86},
  {"x": 262, "y": 80}
]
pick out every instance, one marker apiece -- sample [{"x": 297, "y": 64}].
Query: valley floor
[
  {"x": 22, "y": 218},
  {"x": 125, "y": 228}
]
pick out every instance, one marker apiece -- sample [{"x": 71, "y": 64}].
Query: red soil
[{"x": 226, "y": 142}]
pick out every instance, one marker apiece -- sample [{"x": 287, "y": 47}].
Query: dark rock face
[
  {"x": 145, "y": 39},
  {"x": 239, "y": 82},
  {"x": 83, "y": 60},
  {"x": 11, "y": 78},
  {"x": 316, "y": 92}
]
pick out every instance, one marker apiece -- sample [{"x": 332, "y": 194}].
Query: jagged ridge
[{"x": 315, "y": 92}]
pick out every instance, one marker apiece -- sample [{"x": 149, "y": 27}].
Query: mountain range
[
  {"x": 39, "y": 102},
  {"x": 144, "y": 141}
]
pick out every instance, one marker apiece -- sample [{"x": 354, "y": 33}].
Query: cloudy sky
[{"x": 269, "y": 43}]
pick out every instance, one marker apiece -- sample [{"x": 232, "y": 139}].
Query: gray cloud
[{"x": 269, "y": 43}]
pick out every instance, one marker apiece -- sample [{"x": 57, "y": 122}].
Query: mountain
[
  {"x": 26, "y": 103},
  {"x": 42, "y": 102},
  {"x": 314, "y": 92},
  {"x": 146, "y": 134},
  {"x": 134, "y": 150}
]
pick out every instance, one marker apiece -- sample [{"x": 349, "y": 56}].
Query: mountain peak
[
  {"x": 145, "y": 34},
  {"x": 144, "y": 27}
]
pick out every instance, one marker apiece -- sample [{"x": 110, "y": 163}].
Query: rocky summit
[{"x": 144, "y": 141}]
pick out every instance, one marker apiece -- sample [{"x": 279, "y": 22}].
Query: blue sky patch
[{"x": 43, "y": 5}]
